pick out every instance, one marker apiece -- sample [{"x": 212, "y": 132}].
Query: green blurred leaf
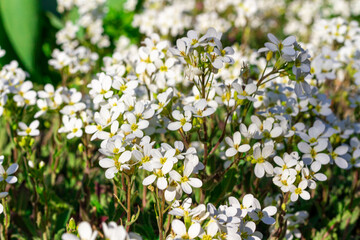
[
  {"x": 55, "y": 21},
  {"x": 62, "y": 219},
  {"x": 21, "y": 23}
]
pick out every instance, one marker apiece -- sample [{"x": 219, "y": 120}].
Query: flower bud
[
  {"x": 72, "y": 225},
  {"x": 81, "y": 147},
  {"x": 41, "y": 164},
  {"x": 31, "y": 164}
]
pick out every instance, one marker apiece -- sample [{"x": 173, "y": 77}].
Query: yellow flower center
[
  {"x": 134, "y": 127},
  {"x": 184, "y": 179},
  {"x": 145, "y": 159},
  {"x": 163, "y": 160},
  {"x": 183, "y": 121},
  {"x": 28, "y": 130},
  {"x": 298, "y": 191},
  {"x": 123, "y": 87},
  {"x": 163, "y": 68}
]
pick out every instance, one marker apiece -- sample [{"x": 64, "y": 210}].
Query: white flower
[
  {"x": 300, "y": 190},
  {"x": 200, "y": 109},
  {"x": 315, "y": 133},
  {"x": 183, "y": 210},
  {"x": 260, "y": 157},
  {"x": 338, "y": 156},
  {"x": 30, "y": 130},
  {"x": 301, "y": 65},
  {"x": 288, "y": 162},
  {"x": 100, "y": 88},
  {"x": 43, "y": 106},
  {"x": 247, "y": 231},
  {"x": 266, "y": 129},
  {"x": 285, "y": 47},
  {"x": 264, "y": 215},
  {"x": 2, "y": 52},
  {"x": 147, "y": 59},
  {"x": 85, "y": 233},
  {"x": 246, "y": 206},
  {"x": 114, "y": 232},
  {"x": 143, "y": 111},
  {"x": 211, "y": 231},
  {"x": 165, "y": 162},
  {"x": 235, "y": 145},
  {"x": 313, "y": 153},
  {"x": 163, "y": 100},
  {"x": 312, "y": 174},
  {"x": 181, "y": 50},
  {"x": 2, "y": 195},
  {"x": 223, "y": 54},
  {"x": 144, "y": 157},
  {"x": 244, "y": 91},
  {"x": 25, "y": 95},
  {"x": 72, "y": 126},
  {"x": 102, "y": 119},
  {"x": 285, "y": 180},
  {"x": 182, "y": 233},
  {"x": 6, "y": 175},
  {"x": 117, "y": 163},
  {"x": 134, "y": 126},
  {"x": 124, "y": 86},
  {"x": 183, "y": 121},
  {"x": 185, "y": 181},
  {"x": 160, "y": 175}
]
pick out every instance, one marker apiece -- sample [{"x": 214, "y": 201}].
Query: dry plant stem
[
  {"x": 6, "y": 219},
  {"x": 205, "y": 142},
  {"x": 184, "y": 138},
  {"x": 161, "y": 207},
  {"x": 329, "y": 231},
  {"x": 64, "y": 78},
  {"x": 128, "y": 201},
  {"x": 12, "y": 137},
  {"x": 280, "y": 232},
  {"x": 33, "y": 184},
  {"x": 203, "y": 92},
  {"x": 115, "y": 194},
  {"x": 144, "y": 198},
  {"x": 223, "y": 132},
  {"x": 355, "y": 186},
  {"x": 168, "y": 224},
  {"x": 46, "y": 207},
  {"x": 263, "y": 77},
  {"x": 220, "y": 173}
]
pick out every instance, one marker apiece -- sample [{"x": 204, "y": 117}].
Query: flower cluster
[
  {"x": 234, "y": 220},
  {"x": 6, "y": 177},
  {"x": 173, "y": 125}
]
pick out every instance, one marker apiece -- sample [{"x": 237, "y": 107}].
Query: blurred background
[
  {"x": 28, "y": 27},
  {"x": 28, "y": 32}
]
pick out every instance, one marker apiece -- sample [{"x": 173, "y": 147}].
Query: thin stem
[
  {"x": 160, "y": 207},
  {"x": 128, "y": 201},
  {"x": 274, "y": 70},
  {"x": 223, "y": 132},
  {"x": 6, "y": 218},
  {"x": 184, "y": 138}
]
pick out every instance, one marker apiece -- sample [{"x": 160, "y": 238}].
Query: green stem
[
  {"x": 6, "y": 218},
  {"x": 128, "y": 201}
]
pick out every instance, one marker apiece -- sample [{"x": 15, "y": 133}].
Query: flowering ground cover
[{"x": 173, "y": 119}]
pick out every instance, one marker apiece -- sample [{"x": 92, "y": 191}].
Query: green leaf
[
  {"x": 55, "y": 21},
  {"x": 62, "y": 219},
  {"x": 21, "y": 23}
]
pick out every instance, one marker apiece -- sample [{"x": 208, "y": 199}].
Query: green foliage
[{"x": 21, "y": 21}]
